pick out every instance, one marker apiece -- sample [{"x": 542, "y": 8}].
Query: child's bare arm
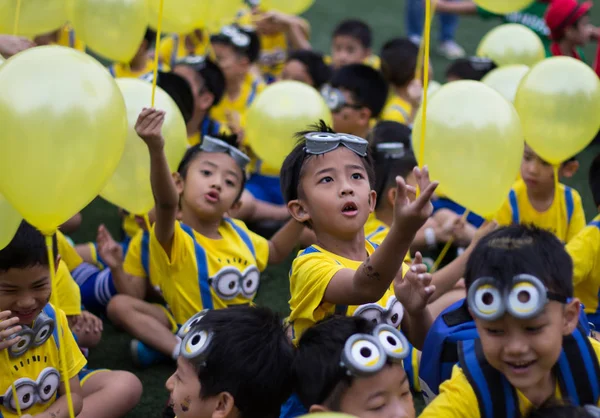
[
  {"x": 166, "y": 198},
  {"x": 284, "y": 241},
  {"x": 370, "y": 282},
  {"x": 456, "y": 7}
]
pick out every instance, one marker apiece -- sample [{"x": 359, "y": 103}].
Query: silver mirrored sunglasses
[
  {"x": 318, "y": 143},
  {"x": 391, "y": 150}
]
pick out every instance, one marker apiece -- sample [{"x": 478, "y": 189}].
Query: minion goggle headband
[
  {"x": 365, "y": 355},
  {"x": 235, "y": 35},
  {"x": 318, "y": 143},
  {"x": 525, "y": 298},
  {"x": 196, "y": 340}
]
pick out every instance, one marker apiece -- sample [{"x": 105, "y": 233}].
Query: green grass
[{"x": 386, "y": 18}]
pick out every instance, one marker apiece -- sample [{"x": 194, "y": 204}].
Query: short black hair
[
  {"x": 356, "y": 29},
  {"x": 150, "y": 37},
  {"x": 252, "y": 51},
  {"x": 214, "y": 80},
  {"x": 472, "y": 68},
  {"x": 390, "y": 131},
  {"x": 367, "y": 86},
  {"x": 556, "y": 409},
  {"x": 252, "y": 360},
  {"x": 27, "y": 249},
  {"x": 291, "y": 170},
  {"x": 521, "y": 249},
  {"x": 399, "y": 61},
  {"x": 192, "y": 153},
  {"x": 594, "y": 179},
  {"x": 316, "y": 369},
  {"x": 315, "y": 65}
]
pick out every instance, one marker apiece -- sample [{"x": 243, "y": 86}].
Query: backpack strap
[
  {"x": 202, "y": 266},
  {"x": 569, "y": 203},
  {"x": 514, "y": 205},
  {"x": 49, "y": 310},
  {"x": 145, "y": 255},
  {"x": 173, "y": 58},
  {"x": 495, "y": 395},
  {"x": 252, "y": 95},
  {"x": 403, "y": 112},
  {"x": 243, "y": 235},
  {"x": 578, "y": 369}
]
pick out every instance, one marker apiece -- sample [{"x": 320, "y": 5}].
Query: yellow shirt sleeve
[
  {"x": 578, "y": 219},
  {"x": 456, "y": 399},
  {"x": 504, "y": 215},
  {"x": 65, "y": 292},
  {"x": 133, "y": 260},
  {"x": 75, "y": 359},
  {"x": 583, "y": 252},
  {"x": 261, "y": 246},
  {"x": 67, "y": 252}
]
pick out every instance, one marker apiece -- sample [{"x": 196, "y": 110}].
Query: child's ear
[
  {"x": 391, "y": 196},
  {"x": 224, "y": 405},
  {"x": 205, "y": 101},
  {"x": 314, "y": 409},
  {"x": 372, "y": 200},
  {"x": 569, "y": 169},
  {"x": 178, "y": 182},
  {"x": 298, "y": 211},
  {"x": 571, "y": 313},
  {"x": 236, "y": 206}
]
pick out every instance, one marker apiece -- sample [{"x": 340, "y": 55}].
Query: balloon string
[
  {"x": 440, "y": 258},
  {"x": 14, "y": 389},
  {"x": 426, "y": 42},
  {"x": 61, "y": 351},
  {"x": 158, "y": 34},
  {"x": 419, "y": 69},
  {"x": 16, "y": 23}
]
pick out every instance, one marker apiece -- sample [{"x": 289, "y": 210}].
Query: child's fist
[{"x": 148, "y": 127}]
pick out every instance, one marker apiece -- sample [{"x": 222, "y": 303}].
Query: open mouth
[
  {"x": 520, "y": 366},
  {"x": 350, "y": 208},
  {"x": 212, "y": 196}
]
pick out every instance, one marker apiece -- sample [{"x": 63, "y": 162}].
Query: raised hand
[
  {"x": 410, "y": 216},
  {"x": 414, "y": 289},
  {"x": 148, "y": 127},
  {"x": 109, "y": 250}
]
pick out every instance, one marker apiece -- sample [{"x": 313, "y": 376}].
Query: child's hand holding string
[
  {"x": 414, "y": 289},
  {"x": 148, "y": 127},
  {"x": 410, "y": 216},
  {"x": 8, "y": 327}
]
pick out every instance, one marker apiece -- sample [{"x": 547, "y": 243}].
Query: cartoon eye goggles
[
  {"x": 335, "y": 99},
  {"x": 42, "y": 330},
  {"x": 191, "y": 323},
  {"x": 30, "y": 392},
  {"x": 229, "y": 282},
  {"x": 237, "y": 37},
  {"x": 525, "y": 298},
  {"x": 366, "y": 355},
  {"x": 391, "y": 315},
  {"x": 318, "y": 143},
  {"x": 210, "y": 144}
]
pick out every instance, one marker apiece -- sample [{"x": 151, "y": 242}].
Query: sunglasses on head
[
  {"x": 317, "y": 143},
  {"x": 210, "y": 144},
  {"x": 335, "y": 99}
]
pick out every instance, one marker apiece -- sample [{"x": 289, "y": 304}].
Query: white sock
[{"x": 176, "y": 349}]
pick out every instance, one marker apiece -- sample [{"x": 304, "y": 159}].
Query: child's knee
[
  {"x": 119, "y": 307},
  {"x": 129, "y": 386}
]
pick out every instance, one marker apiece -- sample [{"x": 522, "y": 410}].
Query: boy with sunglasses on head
[
  {"x": 352, "y": 366},
  {"x": 327, "y": 182},
  {"x": 531, "y": 346},
  {"x": 208, "y": 260},
  {"x": 356, "y": 95}
]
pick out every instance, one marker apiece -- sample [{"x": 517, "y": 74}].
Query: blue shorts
[
  {"x": 96, "y": 291},
  {"x": 265, "y": 188}
]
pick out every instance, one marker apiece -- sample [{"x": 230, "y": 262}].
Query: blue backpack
[{"x": 441, "y": 349}]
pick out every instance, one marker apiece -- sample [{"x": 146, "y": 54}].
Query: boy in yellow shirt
[
  {"x": 352, "y": 366},
  {"x": 398, "y": 65},
  {"x": 176, "y": 47},
  {"x": 535, "y": 200},
  {"x": 356, "y": 95},
  {"x": 584, "y": 250},
  {"x": 531, "y": 347},
  {"x": 351, "y": 44},
  {"x": 327, "y": 184},
  {"x": 208, "y": 261},
  {"x": 141, "y": 64},
  {"x": 307, "y": 67}
]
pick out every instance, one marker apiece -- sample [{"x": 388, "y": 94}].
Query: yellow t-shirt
[
  {"x": 39, "y": 369},
  {"x": 457, "y": 397},
  {"x": 65, "y": 292},
  {"x": 123, "y": 70},
  {"x": 376, "y": 231},
  {"x": 584, "y": 249},
  {"x": 66, "y": 37},
  {"x": 67, "y": 252},
  {"x": 251, "y": 88},
  {"x": 134, "y": 260},
  {"x": 130, "y": 226},
  {"x": 396, "y": 110},
  {"x": 517, "y": 209},
  {"x": 173, "y": 48},
  {"x": 311, "y": 272},
  {"x": 230, "y": 270},
  {"x": 372, "y": 61}
]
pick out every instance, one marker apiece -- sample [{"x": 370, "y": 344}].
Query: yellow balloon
[
  {"x": 280, "y": 111},
  {"x": 505, "y": 80},
  {"x": 503, "y": 7},
  {"x": 61, "y": 140},
  {"x": 473, "y": 145},
  {"x": 112, "y": 28},
  {"x": 129, "y": 187},
  {"x": 10, "y": 221},
  {"x": 559, "y": 102},
  {"x": 35, "y": 16},
  {"x": 290, "y": 7},
  {"x": 221, "y": 13},
  {"x": 512, "y": 44},
  {"x": 179, "y": 16}
]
